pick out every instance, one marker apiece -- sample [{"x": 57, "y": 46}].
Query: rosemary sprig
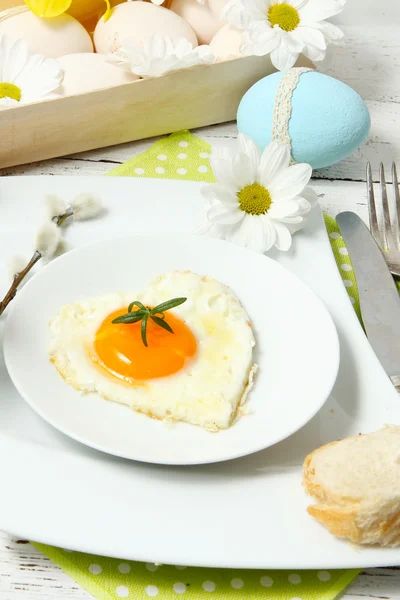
[{"x": 144, "y": 313}]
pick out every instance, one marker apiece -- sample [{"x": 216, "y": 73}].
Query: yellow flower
[
  {"x": 48, "y": 8},
  {"x": 53, "y": 8}
]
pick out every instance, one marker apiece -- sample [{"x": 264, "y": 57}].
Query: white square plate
[{"x": 246, "y": 513}]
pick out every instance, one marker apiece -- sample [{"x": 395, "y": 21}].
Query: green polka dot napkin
[
  {"x": 112, "y": 579},
  {"x": 184, "y": 156}
]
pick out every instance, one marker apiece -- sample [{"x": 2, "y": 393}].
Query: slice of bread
[{"x": 356, "y": 482}]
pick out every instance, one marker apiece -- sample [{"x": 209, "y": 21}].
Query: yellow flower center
[
  {"x": 9, "y": 90},
  {"x": 283, "y": 15},
  {"x": 254, "y": 199}
]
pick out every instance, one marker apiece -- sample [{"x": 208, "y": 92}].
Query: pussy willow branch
[
  {"x": 59, "y": 220},
  {"x": 19, "y": 277}
]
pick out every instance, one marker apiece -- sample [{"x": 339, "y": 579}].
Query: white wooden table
[{"x": 370, "y": 63}]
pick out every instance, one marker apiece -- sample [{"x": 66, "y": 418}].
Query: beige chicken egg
[
  {"x": 203, "y": 21},
  {"x": 226, "y": 43},
  {"x": 216, "y": 7},
  {"x": 137, "y": 22},
  {"x": 85, "y": 72},
  {"x": 50, "y": 37}
]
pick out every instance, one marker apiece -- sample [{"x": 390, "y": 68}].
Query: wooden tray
[{"x": 195, "y": 97}]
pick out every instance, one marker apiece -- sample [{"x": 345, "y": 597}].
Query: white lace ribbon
[{"x": 283, "y": 105}]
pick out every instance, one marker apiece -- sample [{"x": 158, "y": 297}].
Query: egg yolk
[{"x": 120, "y": 349}]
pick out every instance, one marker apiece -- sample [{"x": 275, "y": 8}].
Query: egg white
[{"x": 210, "y": 388}]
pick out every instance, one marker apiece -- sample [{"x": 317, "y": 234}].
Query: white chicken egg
[
  {"x": 226, "y": 43},
  {"x": 90, "y": 71},
  {"x": 51, "y": 38},
  {"x": 137, "y": 22},
  {"x": 203, "y": 21},
  {"x": 201, "y": 373}
]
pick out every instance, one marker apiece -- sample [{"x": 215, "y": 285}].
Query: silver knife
[{"x": 379, "y": 298}]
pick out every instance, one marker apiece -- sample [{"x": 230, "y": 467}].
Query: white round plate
[{"x": 297, "y": 348}]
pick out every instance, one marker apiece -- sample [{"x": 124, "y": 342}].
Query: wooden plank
[{"x": 194, "y": 97}]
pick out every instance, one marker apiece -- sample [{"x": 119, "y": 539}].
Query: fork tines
[{"x": 391, "y": 238}]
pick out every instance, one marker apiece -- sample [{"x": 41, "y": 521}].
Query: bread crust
[{"x": 369, "y": 520}]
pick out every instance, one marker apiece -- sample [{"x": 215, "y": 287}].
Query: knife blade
[{"x": 379, "y": 298}]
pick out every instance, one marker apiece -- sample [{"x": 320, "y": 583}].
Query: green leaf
[
  {"x": 162, "y": 323},
  {"x": 143, "y": 313},
  {"x": 160, "y": 315},
  {"x": 143, "y": 330},
  {"x": 132, "y": 317},
  {"x": 168, "y": 305},
  {"x": 136, "y": 303}
]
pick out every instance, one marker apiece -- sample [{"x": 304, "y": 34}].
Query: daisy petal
[
  {"x": 316, "y": 10},
  {"x": 283, "y": 238},
  {"x": 244, "y": 170},
  {"x": 310, "y": 36},
  {"x": 282, "y": 59},
  {"x": 293, "y": 43},
  {"x": 8, "y": 102},
  {"x": 160, "y": 54},
  {"x": 297, "y": 4},
  {"x": 257, "y": 240},
  {"x": 331, "y": 32},
  {"x": 224, "y": 215},
  {"x": 215, "y": 191},
  {"x": 304, "y": 208},
  {"x": 291, "y": 182},
  {"x": 250, "y": 148},
  {"x": 274, "y": 159},
  {"x": 252, "y": 11},
  {"x": 224, "y": 152},
  {"x": 269, "y": 232},
  {"x": 291, "y": 220},
  {"x": 314, "y": 54},
  {"x": 222, "y": 169},
  {"x": 283, "y": 208},
  {"x": 294, "y": 226},
  {"x": 17, "y": 57},
  {"x": 35, "y": 76},
  {"x": 242, "y": 233},
  {"x": 264, "y": 234},
  {"x": 259, "y": 39},
  {"x": 210, "y": 229}
]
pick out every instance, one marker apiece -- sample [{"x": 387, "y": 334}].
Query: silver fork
[{"x": 389, "y": 242}]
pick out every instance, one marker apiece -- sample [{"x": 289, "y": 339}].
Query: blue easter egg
[{"x": 329, "y": 120}]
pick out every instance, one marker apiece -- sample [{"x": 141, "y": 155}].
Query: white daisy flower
[
  {"x": 25, "y": 77},
  {"x": 285, "y": 28},
  {"x": 259, "y": 200},
  {"x": 160, "y": 55}
]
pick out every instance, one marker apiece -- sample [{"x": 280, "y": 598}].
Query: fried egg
[{"x": 201, "y": 373}]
